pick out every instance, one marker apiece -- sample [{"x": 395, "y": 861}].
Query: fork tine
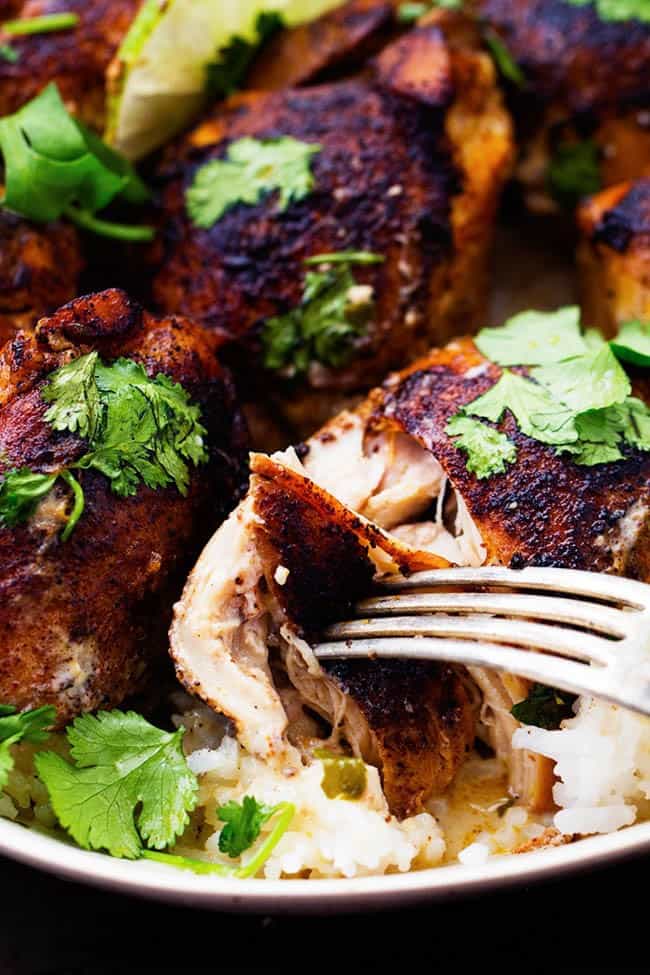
[
  {"x": 568, "y": 675},
  {"x": 603, "y": 619},
  {"x": 571, "y": 582},
  {"x": 553, "y": 639}
]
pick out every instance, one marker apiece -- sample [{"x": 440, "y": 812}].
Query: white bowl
[{"x": 146, "y": 879}]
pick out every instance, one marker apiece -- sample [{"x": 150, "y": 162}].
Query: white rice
[
  {"x": 602, "y": 758},
  {"x": 327, "y": 837}
]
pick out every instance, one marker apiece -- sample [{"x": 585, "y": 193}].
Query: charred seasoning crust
[
  {"x": 76, "y": 59},
  {"x": 569, "y": 55},
  {"x": 383, "y": 182},
  {"x": 421, "y": 721},
  {"x": 545, "y": 510},
  {"x": 81, "y": 620},
  {"x": 627, "y": 222},
  {"x": 322, "y": 49},
  {"x": 39, "y": 270}
]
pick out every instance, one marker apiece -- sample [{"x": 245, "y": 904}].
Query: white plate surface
[{"x": 146, "y": 879}]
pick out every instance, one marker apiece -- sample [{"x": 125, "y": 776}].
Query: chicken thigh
[{"x": 82, "y": 618}]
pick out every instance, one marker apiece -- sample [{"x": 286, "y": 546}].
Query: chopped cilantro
[
  {"x": 537, "y": 413},
  {"x": 20, "y": 492},
  {"x": 344, "y": 777},
  {"x": 29, "y": 726},
  {"x": 54, "y": 166},
  {"x": 252, "y": 169},
  {"x": 244, "y": 821},
  {"x": 503, "y": 59},
  {"x": 345, "y": 257},
  {"x": 139, "y": 430},
  {"x": 45, "y": 24},
  {"x": 591, "y": 381},
  {"x": 129, "y": 787},
  {"x": 334, "y": 311},
  {"x": 228, "y": 71},
  {"x": 545, "y": 707},
  {"x": 8, "y": 53},
  {"x": 618, "y": 9},
  {"x": 577, "y": 398},
  {"x": 574, "y": 172},
  {"x": 488, "y": 451},
  {"x": 534, "y": 338},
  {"x": 408, "y": 13},
  {"x": 283, "y": 813},
  {"x": 632, "y": 344}
]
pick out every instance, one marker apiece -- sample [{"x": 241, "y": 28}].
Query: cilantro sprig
[
  {"x": 228, "y": 71},
  {"x": 505, "y": 62},
  {"x": 130, "y": 786},
  {"x": 334, "y": 311},
  {"x": 575, "y": 398},
  {"x": 129, "y": 791},
  {"x": 545, "y": 707},
  {"x": 55, "y": 166},
  {"x": 252, "y": 169},
  {"x": 243, "y": 824},
  {"x": 574, "y": 172},
  {"x": 139, "y": 430},
  {"x": 617, "y": 10},
  {"x": 45, "y": 24},
  {"x": 32, "y": 726}
]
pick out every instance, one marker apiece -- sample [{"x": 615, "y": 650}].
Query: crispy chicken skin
[
  {"x": 585, "y": 78},
  {"x": 340, "y": 40},
  {"x": 39, "y": 271},
  {"x": 414, "y": 155},
  {"x": 614, "y": 256},
  {"x": 76, "y": 59},
  {"x": 384, "y": 489},
  {"x": 82, "y": 620}
]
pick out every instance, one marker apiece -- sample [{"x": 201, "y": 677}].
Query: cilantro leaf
[
  {"x": 9, "y": 54},
  {"x": 334, "y": 311},
  {"x": 20, "y": 492},
  {"x": 488, "y": 451},
  {"x": 228, "y": 71},
  {"x": 74, "y": 396},
  {"x": 503, "y": 59},
  {"x": 574, "y": 172},
  {"x": 618, "y": 9},
  {"x": 587, "y": 382},
  {"x": 244, "y": 821},
  {"x": 545, "y": 707},
  {"x": 139, "y": 430},
  {"x": 636, "y": 423},
  {"x": 149, "y": 430},
  {"x": 54, "y": 165},
  {"x": 32, "y": 726},
  {"x": 534, "y": 338},
  {"x": 45, "y": 24},
  {"x": 130, "y": 784},
  {"x": 537, "y": 413},
  {"x": 252, "y": 169},
  {"x": 632, "y": 344}
]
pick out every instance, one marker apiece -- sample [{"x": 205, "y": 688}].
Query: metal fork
[{"x": 492, "y": 617}]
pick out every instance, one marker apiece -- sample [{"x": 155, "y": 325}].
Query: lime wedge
[{"x": 156, "y": 82}]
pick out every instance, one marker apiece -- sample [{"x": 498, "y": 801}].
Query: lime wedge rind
[{"x": 156, "y": 82}]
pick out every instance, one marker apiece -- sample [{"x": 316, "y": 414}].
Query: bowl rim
[{"x": 156, "y": 881}]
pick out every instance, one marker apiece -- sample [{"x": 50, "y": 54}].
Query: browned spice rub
[
  {"x": 75, "y": 59},
  {"x": 39, "y": 271},
  {"x": 80, "y": 621}
]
